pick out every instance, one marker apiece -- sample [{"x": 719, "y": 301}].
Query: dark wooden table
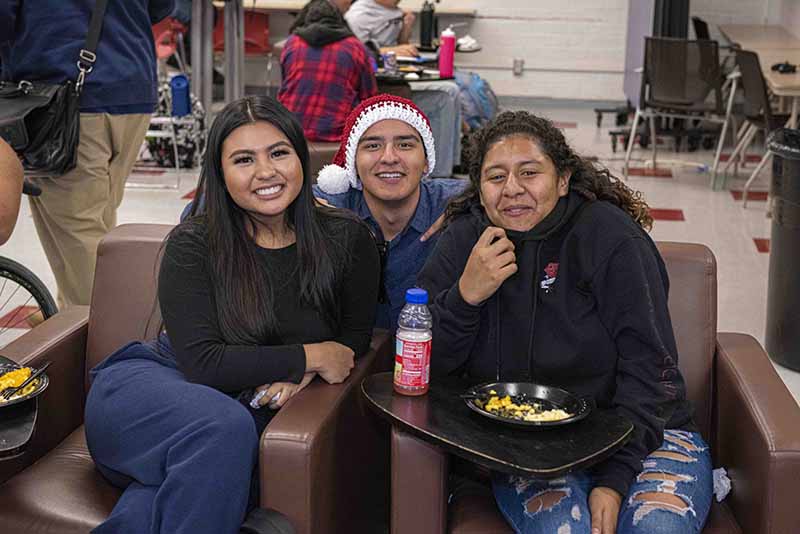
[
  {"x": 442, "y": 418},
  {"x": 16, "y": 425}
]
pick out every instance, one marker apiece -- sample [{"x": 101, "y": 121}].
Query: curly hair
[{"x": 591, "y": 181}]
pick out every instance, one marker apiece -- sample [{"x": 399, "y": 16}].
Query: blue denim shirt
[{"x": 406, "y": 253}]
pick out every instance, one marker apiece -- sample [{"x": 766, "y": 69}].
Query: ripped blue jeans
[{"x": 680, "y": 469}]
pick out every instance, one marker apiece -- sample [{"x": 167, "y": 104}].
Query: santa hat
[{"x": 342, "y": 174}]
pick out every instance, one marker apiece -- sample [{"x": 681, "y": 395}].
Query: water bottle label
[{"x": 412, "y": 363}]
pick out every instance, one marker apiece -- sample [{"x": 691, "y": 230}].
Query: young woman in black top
[
  {"x": 261, "y": 288},
  {"x": 545, "y": 273}
]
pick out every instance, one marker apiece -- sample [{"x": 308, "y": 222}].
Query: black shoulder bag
[{"x": 41, "y": 121}]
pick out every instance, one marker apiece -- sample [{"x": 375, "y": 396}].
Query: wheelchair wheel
[{"x": 24, "y": 299}]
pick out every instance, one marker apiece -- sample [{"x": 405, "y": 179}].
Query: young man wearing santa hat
[{"x": 387, "y": 150}]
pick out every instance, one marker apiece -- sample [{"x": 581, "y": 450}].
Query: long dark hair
[
  {"x": 590, "y": 180},
  {"x": 224, "y": 233}
]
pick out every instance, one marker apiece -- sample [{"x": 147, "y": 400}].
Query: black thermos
[{"x": 426, "y": 28}]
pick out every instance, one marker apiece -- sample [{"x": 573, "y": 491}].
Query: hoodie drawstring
[{"x": 535, "y": 305}]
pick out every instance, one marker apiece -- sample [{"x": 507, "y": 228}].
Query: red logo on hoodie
[{"x": 550, "y": 276}]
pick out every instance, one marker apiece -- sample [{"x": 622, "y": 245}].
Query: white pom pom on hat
[
  {"x": 341, "y": 175},
  {"x": 333, "y": 179}
]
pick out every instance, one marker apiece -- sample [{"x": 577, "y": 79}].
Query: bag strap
[{"x": 88, "y": 56}]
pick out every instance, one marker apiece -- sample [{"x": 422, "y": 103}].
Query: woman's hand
[
  {"x": 490, "y": 263},
  {"x": 604, "y": 504},
  {"x": 287, "y": 390},
  {"x": 331, "y": 360}
]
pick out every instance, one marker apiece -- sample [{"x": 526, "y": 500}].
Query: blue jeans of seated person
[
  {"x": 681, "y": 467},
  {"x": 183, "y": 452}
]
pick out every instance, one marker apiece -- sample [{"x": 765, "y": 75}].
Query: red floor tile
[
  {"x": 18, "y": 317},
  {"x": 565, "y": 125},
  {"x": 648, "y": 171},
  {"x": 750, "y": 158},
  {"x": 762, "y": 244},
  {"x": 662, "y": 214},
  {"x": 756, "y": 196},
  {"x": 190, "y": 195}
]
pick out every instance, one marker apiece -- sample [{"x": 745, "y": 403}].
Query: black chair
[
  {"x": 701, "y": 32},
  {"x": 700, "y": 29},
  {"x": 757, "y": 113},
  {"x": 681, "y": 79}
]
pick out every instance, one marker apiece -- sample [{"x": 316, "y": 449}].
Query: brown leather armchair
[
  {"x": 741, "y": 406},
  {"x": 324, "y": 463},
  {"x": 320, "y": 154}
]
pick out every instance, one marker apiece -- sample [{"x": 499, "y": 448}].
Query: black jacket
[{"x": 586, "y": 311}]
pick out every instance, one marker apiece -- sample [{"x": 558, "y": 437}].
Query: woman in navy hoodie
[{"x": 546, "y": 273}]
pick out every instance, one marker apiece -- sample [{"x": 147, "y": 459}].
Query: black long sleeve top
[
  {"x": 586, "y": 311},
  {"x": 201, "y": 350}
]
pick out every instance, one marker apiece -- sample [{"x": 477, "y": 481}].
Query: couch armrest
[
  {"x": 757, "y": 437},
  {"x": 324, "y": 458},
  {"x": 419, "y": 485},
  {"x": 61, "y": 339}
]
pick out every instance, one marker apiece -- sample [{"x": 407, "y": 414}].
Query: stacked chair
[
  {"x": 681, "y": 79},
  {"x": 758, "y": 113}
]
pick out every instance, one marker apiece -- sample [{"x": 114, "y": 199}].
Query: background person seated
[
  {"x": 386, "y": 151},
  {"x": 382, "y": 25},
  {"x": 386, "y": 27},
  {"x": 326, "y": 70}
]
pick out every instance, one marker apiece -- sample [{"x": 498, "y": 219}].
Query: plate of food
[
  {"x": 13, "y": 375},
  {"x": 526, "y": 404}
]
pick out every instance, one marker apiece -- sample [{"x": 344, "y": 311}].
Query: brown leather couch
[
  {"x": 320, "y": 154},
  {"x": 742, "y": 408},
  {"x": 324, "y": 463}
]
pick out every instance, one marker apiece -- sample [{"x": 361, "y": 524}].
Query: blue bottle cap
[
  {"x": 416, "y": 295},
  {"x": 179, "y": 81}
]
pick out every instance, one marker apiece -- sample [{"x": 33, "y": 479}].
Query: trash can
[{"x": 783, "y": 292}]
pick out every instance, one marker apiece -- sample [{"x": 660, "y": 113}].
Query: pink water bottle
[{"x": 447, "y": 52}]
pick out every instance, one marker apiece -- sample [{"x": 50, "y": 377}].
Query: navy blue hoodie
[
  {"x": 586, "y": 311},
  {"x": 40, "y": 41}
]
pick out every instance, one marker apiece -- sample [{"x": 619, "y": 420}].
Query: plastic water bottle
[
  {"x": 179, "y": 85},
  {"x": 412, "y": 362},
  {"x": 447, "y": 53}
]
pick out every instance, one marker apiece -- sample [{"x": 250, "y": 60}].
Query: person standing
[{"x": 77, "y": 209}]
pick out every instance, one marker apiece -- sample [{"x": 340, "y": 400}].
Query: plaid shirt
[{"x": 322, "y": 85}]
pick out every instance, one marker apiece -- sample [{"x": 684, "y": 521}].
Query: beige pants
[{"x": 77, "y": 209}]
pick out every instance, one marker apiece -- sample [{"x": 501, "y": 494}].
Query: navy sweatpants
[{"x": 183, "y": 452}]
